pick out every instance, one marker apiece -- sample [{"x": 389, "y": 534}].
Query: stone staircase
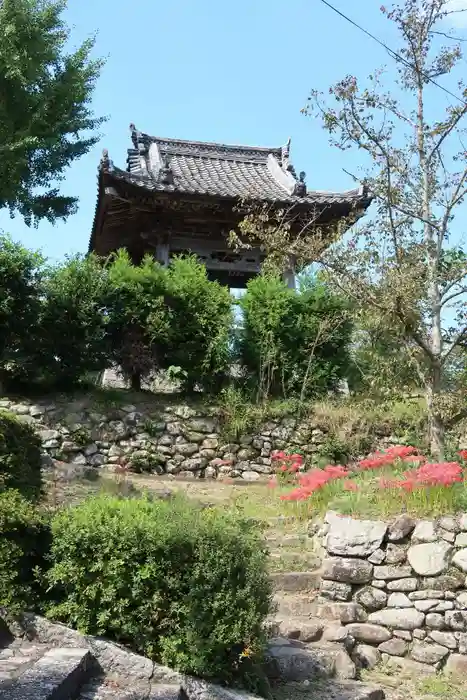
[{"x": 309, "y": 644}]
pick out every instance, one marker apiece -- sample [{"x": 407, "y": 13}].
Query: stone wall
[
  {"x": 399, "y": 589},
  {"x": 173, "y": 438}
]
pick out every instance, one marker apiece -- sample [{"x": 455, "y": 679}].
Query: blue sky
[{"x": 234, "y": 72}]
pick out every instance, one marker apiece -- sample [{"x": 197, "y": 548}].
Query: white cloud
[{"x": 459, "y": 18}]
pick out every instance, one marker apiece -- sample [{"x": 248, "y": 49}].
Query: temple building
[{"x": 182, "y": 196}]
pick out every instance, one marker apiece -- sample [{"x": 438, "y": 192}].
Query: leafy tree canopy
[{"x": 46, "y": 121}]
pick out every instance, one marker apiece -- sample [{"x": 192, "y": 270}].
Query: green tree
[
  {"x": 293, "y": 344},
  {"x": 139, "y": 318},
  {"x": 202, "y": 322},
  {"x": 71, "y": 337},
  {"x": 20, "y": 276},
  {"x": 402, "y": 264},
  {"x": 45, "y": 114}
]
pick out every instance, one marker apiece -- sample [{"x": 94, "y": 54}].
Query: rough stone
[
  {"x": 428, "y": 653},
  {"x": 372, "y": 634},
  {"x": 403, "y": 634},
  {"x": 400, "y": 528},
  {"x": 404, "y": 619},
  {"x": 409, "y": 667},
  {"x": 429, "y": 559},
  {"x": 366, "y": 656},
  {"x": 354, "y": 571},
  {"x": 405, "y": 585},
  {"x": 446, "y": 582},
  {"x": 462, "y": 599},
  {"x": 394, "y": 647},
  {"x": 460, "y": 559},
  {"x": 461, "y": 540},
  {"x": 446, "y": 639},
  {"x": 456, "y": 665},
  {"x": 426, "y": 594},
  {"x": 424, "y": 531},
  {"x": 450, "y": 523},
  {"x": 371, "y": 598},
  {"x": 419, "y": 634},
  {"x": 444, "y": 605},
  {"x": 456, "y": 620},
  {"x": 395, "y": 554},
  {"x": 462, "y": 639},
  {"x": 387, "y": 573},
  {"x": 353, "y": 538},
  {"x": 463, "y": 521},
  {"x": 399, "y": 600},
  {"x": 335, "y": 590},
  {"x": 377, "y": 557},
  {"x": 435, "y": 621},
  {"x": 249, "y": 475},
  {"x": 425, "y": 605}
]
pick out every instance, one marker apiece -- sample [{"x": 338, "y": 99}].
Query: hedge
[
  {"x": 20, "y": 457},
  {"x": 187, "y": 587}
]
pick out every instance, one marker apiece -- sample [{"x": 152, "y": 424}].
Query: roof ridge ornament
[
  {"x": 300, "y": 187},
  {"x": 105, "y": 164},
  {"x": 137, "y": 138},
  {"x": 285, "y": 153},
  {"x": 166, "y": 176}
]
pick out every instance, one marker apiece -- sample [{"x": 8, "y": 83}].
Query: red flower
[
  {"x": 350, "y": 486},
  {"x": 463, "y": 454}
]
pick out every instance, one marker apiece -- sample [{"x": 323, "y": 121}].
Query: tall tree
[
  {"x": 406, "y": 263},
  {"x": 46, "y": 121}
]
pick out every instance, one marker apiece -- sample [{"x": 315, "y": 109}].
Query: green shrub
[
  {"x": 72, "y": 327},
  {"x": 185, "y": 586},
  {"x": 24, "y": 543},
  {"x": 20, "y": 457},
  {"x": 293, "y": 344},
  {"x": 200, "y": 331},
  {"x": 20, "y": 274}
]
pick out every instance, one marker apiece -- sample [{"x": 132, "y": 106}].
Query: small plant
[
  {"x": 286, "y": 467},
  {"x": 82, "y": 437},
  {"x": 152, "y": 428}
]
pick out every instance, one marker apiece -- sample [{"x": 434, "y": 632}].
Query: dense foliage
[
  {"x": 46, "y": 121},
  {"x": 20, "y": 278},
  {"x": 24, "y": 543},
  {"x": 187, "y": 587},
  {"x": 20, "y": 457},
  {"x": 297, "y": 344}
]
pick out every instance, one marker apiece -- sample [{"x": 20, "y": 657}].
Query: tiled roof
[{"x": 218, "y": 170}]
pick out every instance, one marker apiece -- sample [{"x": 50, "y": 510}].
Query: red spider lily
[
  {"x": 463, "y": 454},
  {"x": 350, "y": 486},
  {"x": 441, "y": 474},
  {"x": 415, "y": 459},
  {"x": 381, "y": 459},
  {"x": 272, "y": 483},
  {"x": 313, "y": 481}
]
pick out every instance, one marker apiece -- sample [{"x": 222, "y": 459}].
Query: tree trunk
[
  {"x": 436, "y": 428},
  {"x": 135, "y": 382}
]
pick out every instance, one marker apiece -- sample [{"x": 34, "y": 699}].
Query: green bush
[
  {"x": 139, "y": 318},
  {"x": 293, "y": 344},
  {"x": 202, "y": 317},
  {"x": 185, "y": 586},
  {"x": 20, "y": 275},
  {"x": 72, "y": 338},
  {"x": 20, "y": 457},
  {"x": 24, "y": 544}
]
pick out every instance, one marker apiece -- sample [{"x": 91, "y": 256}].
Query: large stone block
[
  {"x": 353, "y": 538},
  {"x": 402, "y": 619},
  {"x": 347, "y": 570},
  {"x": 429, "y": 559}
]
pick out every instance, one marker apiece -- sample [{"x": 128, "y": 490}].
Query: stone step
[
  {"x": 109, "y": 688},
  {"x": 297, "y": 605},
  {"x": 57, "y": 675},
  {"x": 17, "y": 657},
  {"x": 329, "y": 690},
  {"x": 291, "y": 556},
  {"x": 308, "y": 630},
  {"x": 275, "y": 540},
  {"x": 296, "y": 581},
  {"x": 292, "y": 660}
]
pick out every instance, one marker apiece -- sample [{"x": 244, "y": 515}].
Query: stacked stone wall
[{"x": 399, "y": 588}]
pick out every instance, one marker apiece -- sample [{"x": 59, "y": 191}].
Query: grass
[{"x": 402, "y": 685}]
